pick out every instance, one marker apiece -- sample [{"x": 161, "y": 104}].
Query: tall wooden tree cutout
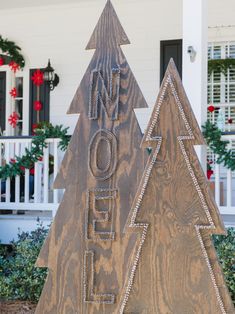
[
  {"x": 87, "y": 253},
  {"x": 175, "y": 267}
]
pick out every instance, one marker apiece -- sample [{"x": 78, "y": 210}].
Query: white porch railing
[
  {"x": 25, "y": 198},
  {"x": 223, "y": 182},
  {"x": 29, "y": 192}
]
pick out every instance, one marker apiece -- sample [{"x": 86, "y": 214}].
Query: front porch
[
  {"x": 30, "y": 197},
  {"x": 25, "y": 200}
]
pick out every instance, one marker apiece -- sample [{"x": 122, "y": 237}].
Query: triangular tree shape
[
  {"x": 108, "y": 30},
  {"x": 86, "y": 251},
  {"x": 175, "y": 268}
]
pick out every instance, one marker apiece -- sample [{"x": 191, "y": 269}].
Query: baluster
[
  {"x": 17, "y": 178},
  {"x": 229, "y": 182},
  {"x": 26, "y": 180},
  {"x": 8, "y": 181},
  {"x": 45, "y": 173},
  {"x": 217, "y": 183},
  {"x": 37, "y": 182},
  {"x": 55, "y": 191}
]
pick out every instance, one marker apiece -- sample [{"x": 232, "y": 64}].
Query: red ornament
[
  {"x": 37, "y": 77},
  {"x": 14, "y": 66},
  {"x": 22, "y": 168},
  {"x": 31, "y": 171},
  {"x": 1, "y": 61},
  {"x": 209, "y": 173},
  {"x": 40, "y": 159},
  {"x": 211, "y": 108},
  {"x": 12, "y": 161},
  {"x": 37, "y": 105},
  {"x": 230, "y": 121},
  {"x": 34, "y": 127},
  {"x": 13, "y": 92},
  {"x": 13, "y": 119}
]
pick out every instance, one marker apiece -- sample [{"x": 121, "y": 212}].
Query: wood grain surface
[
  {"x": 129, "y": 238},
  {"x": 177, "y": 270},
  {"x": 87, "y": 252}
]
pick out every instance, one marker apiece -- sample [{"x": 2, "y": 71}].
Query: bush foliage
[
  {"x": 225, "y": 247},
  {"x": 19, "y": 279}
]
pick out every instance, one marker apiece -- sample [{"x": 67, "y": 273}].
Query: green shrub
[
  {"x": 19, "y": 279},
  {"x": 225, "y": 247}
]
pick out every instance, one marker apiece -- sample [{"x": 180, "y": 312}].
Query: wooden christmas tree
[
  {"x": 87, "y": 253},
  {"x": 175, "y": 267}
]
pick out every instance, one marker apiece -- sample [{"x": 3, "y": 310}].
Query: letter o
[{"x": 103, "y": 155}]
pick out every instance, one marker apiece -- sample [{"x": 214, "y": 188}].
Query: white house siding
[
  {"x": 61, "y": 32},
  {"x": 221, "y": 20}
]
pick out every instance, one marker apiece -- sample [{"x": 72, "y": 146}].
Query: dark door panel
[
  {"x": 44, "y": 97},
  {"x": 3, "y": 101},
  {"x": 170, "y": 49}
]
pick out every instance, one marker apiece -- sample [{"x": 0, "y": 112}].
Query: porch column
[{"x": 195, "y": 68}]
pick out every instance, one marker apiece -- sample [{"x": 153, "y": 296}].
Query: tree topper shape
[
  {"x": 108, "y": 31},
  {"x": 106, "y": 39}
]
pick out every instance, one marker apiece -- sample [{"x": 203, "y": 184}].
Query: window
[
  {"x": 221, "y": 87},
  {"x": 23, "y": 103},
  {"x": 18, "y": 105},
  {"x": 221, "y": 94}
]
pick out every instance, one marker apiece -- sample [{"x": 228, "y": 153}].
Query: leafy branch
[
  {"x": 44, "y": 131},
  {"x": 224, "y": 155}
]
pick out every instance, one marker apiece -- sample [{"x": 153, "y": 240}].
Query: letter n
[{"x": 100, "y": 97}]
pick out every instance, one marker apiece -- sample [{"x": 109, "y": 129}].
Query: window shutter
[
  {"x": 2, "y": 101},
  {"x": 44, "y": 97},
  {"x": 170, "y": 49}
]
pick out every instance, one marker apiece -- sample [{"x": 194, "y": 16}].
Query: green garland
[
  {"x": 43, "y": 132},
  {"x": 12, "y": 50},
  {"x": 46, "y": 130},
  {"x": 213, "y": 135},
  {"x": 220, "y": 65}
]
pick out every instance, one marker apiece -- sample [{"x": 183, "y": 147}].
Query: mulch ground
[{"x": 17, "y": 307}]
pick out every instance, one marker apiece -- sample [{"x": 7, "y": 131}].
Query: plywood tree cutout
[
  {"x": 87, "y": 253},
  {"x": 175, "y": 267}
]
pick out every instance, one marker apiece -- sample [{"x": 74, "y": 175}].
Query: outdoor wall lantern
[
  {"x": 192, "y": 53},
  {"x": 50, "y": 76}
]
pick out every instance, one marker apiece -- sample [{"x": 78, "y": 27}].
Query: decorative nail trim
[
  {"x": 101, "y": 94},
  {"x": 98, "y": 195},
  {"x": 143, "y": 185},
  {"x": 101, "y": 298}
]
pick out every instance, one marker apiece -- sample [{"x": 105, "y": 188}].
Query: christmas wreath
[
  {"x": 224, "y": 155},
  {"x": 13, "y": 53},
  {"x": 41, "y": 132}
]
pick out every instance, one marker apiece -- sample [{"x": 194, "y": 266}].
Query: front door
[{"x": 2, "y": 102}]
